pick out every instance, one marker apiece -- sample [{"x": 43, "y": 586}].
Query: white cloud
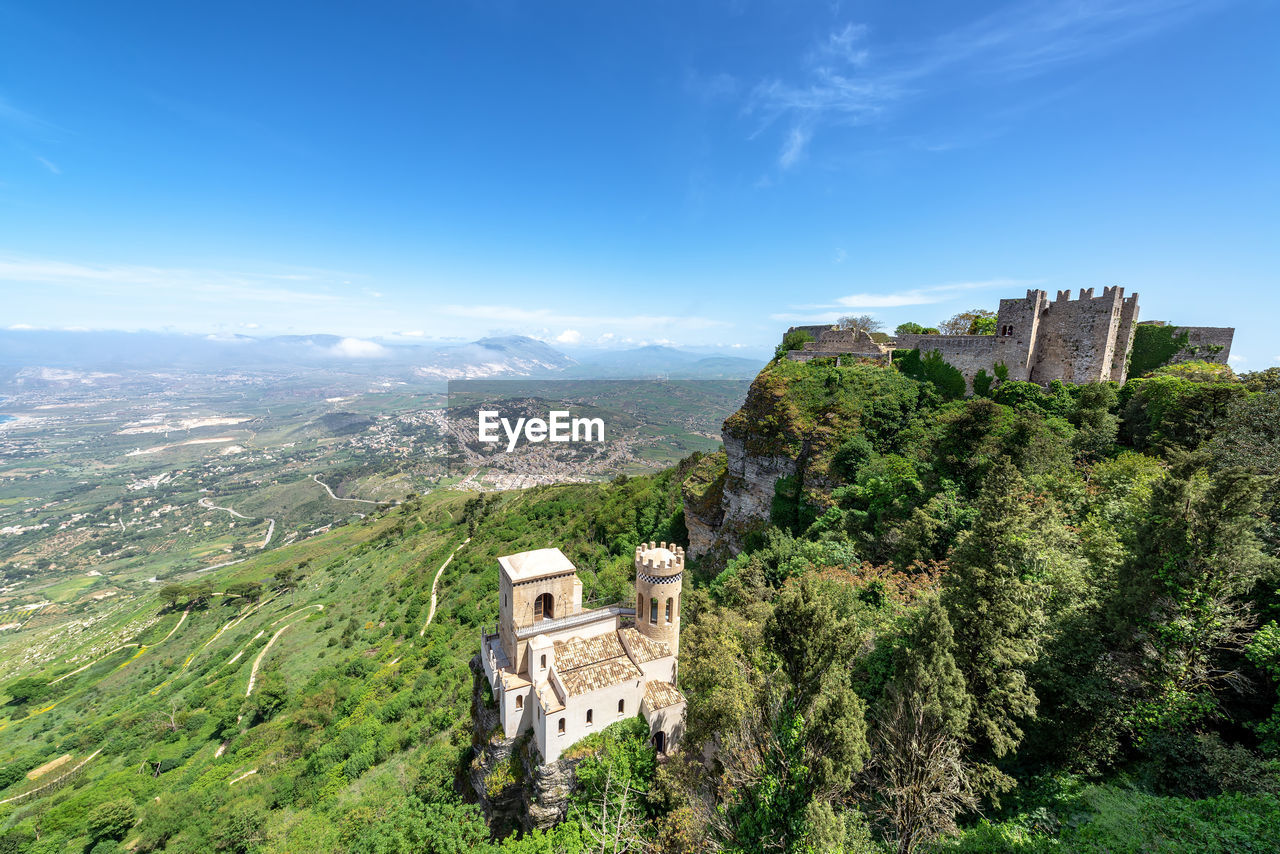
[
  {"x": 356, "y": 348},
  {"x": 51, "y": 166},
  {"x": 845, "y": 79},
  {"x": 840, "y": 256},
  {"x": 928, "y": 296},
  {"x": 793, "y": 148},
  {"x": 1236, "y": 359},
  {"x": 569, "y": 336},
  {"x": 842, "y": 306},
  {"x": 413, "y": 333},
  {"x": 531, "y": 317},
  {"x": 21, "y": 326},
  {"x": 208, "y": 285}
]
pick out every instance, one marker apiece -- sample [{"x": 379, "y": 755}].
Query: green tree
[
  {"x": 992, "y": 603},
  {"x": 112, "y": 819},
  {"x": 1179, "y": 616},
  {"x": 792, "y": 340}
]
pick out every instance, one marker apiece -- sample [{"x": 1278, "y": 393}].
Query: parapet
[{"x": 659, "y": 558}]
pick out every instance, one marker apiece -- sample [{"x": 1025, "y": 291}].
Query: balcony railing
[{"x": 574, "y": 620}]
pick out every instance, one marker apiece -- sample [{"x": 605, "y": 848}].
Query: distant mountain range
[{"x": 58, "y": 357}]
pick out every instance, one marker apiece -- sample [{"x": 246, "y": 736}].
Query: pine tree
[{"x": 991, "y": 602}]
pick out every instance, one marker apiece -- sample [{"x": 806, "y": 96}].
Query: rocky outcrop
[
  {"x": 513, "y": 788},
  {"x": 779, "y": 448}
]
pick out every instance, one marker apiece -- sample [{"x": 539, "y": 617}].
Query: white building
[{"x": 566, "y": 672}]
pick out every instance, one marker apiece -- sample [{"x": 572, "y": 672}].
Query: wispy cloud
[
  {"x": 547, "y": 317},
  {"x": 208, "y": 285},
  {"x": 52, "y": 167},
  {"x": 845, "y": 79},
  {"x": 897, "y": 299}
]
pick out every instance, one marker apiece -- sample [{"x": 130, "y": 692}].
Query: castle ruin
[{"x": 1081, "y": 340}]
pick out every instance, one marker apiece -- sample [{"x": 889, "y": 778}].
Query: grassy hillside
[{"x": 145, "y": 732}]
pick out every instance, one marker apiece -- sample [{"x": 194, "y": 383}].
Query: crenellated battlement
[{"x": 659, "y": 558}]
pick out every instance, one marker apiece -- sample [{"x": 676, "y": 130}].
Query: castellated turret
[{"x": 659, "y": 571}]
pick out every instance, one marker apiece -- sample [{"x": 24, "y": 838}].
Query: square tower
[{"x": 534, "y": 586}]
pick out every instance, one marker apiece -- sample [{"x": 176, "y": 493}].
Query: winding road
[
  {"x": 271, "y": 523},
  {"x": 329, "y": 490}
]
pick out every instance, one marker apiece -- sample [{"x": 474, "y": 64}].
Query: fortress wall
[
  {"x": 1077, "y": 337},
  {"x": 1124, "y": 338},
  {"x": 1018, "y": 320},
  {"x": 1203, "y": 343},
  {"x": 972, "y": 353}
]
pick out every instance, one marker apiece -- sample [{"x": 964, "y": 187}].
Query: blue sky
[{"x": 694, "y": 173}]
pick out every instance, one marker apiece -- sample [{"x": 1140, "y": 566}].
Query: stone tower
[{"x": 659, "y": 569}]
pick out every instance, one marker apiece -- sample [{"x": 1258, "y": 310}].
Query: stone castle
[
  {"x": 565, "y": 672},
  {"x": 1082, "y": 340}
]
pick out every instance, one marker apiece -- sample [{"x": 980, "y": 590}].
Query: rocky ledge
[{"x": 515, "y": 789}]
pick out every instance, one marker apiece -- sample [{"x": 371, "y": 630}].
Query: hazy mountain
[
  {"x": 655, "y": 359},
  {"x": 60, "y": 358}
]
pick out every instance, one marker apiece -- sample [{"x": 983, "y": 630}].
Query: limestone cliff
[
  {"x": 781, "y": 445},
  {"x": 514, "y": 789}
]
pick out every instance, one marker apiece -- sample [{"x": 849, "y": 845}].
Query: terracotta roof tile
[
  {"x": 645, "y": 648},
  {"x": 600, "y": 675},
  {"x": 659, "y": 695},
  {"x": 580, "y": 652}
]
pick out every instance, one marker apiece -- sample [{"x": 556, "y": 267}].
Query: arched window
[
  {"x": 544, "y": 607},
  {"x": 589, "y": 711},
  {"x": 669, "y": 606},
  {"x": 519, "y": 702},
  {"x": 543, "y": 663},
  {"x": 560, "y": 728},
  {"x": 653, "y": 612},
  {"x": 622, "y": 705}
]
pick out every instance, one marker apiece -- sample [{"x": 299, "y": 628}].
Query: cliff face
[
  {"x": 794, "y": 420},
  {"x": 513, "y": 789}
]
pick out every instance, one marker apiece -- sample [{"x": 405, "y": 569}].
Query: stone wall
[
  {"x": 1205, "y": 344},
  {"x": 1075, "y": 340}
]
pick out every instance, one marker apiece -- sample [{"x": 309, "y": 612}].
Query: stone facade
[
  {"x": 562, "y": 672},
  {"x": 1204, "y": 343},
  {"x": 832, "y": 341},
  {"x": 1079, "y": 340}
]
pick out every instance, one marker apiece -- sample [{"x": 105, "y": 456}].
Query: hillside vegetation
[
  {"x": 1031, "y": 620},
  {"x": 357, "y": 723},
  {"x": 1034, "y": 620}
]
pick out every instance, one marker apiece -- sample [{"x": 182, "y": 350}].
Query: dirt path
[
  {"x": 271, "y": 524},
  {"x": 253, "y": 674},
  {"x": 336, "y": 498},
  {"x": 432, "y": 613},
  {"x": 91, "y": 663},
  {"x": 55, "y": 781}
]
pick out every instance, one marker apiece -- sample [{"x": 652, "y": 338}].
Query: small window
[
  {"x": 560, "y": 729},
  {"x": 653, "y": 612},
  {"x": 669, "y": 605},
  {"x": 543, "y": 663},
  {"x": 519, "y": 702},
  {"x": 639, "y": 608},
  {"x": 589, "y": 711},
  {"x": 622, "y": 706}
]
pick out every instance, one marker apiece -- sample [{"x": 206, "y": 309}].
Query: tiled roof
[
  {"x": 659, "y": 695},
  {"x": 580, "y": 652},
  {"x": 599, "y": 675},
  {"x": 645, "y": 648}
]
